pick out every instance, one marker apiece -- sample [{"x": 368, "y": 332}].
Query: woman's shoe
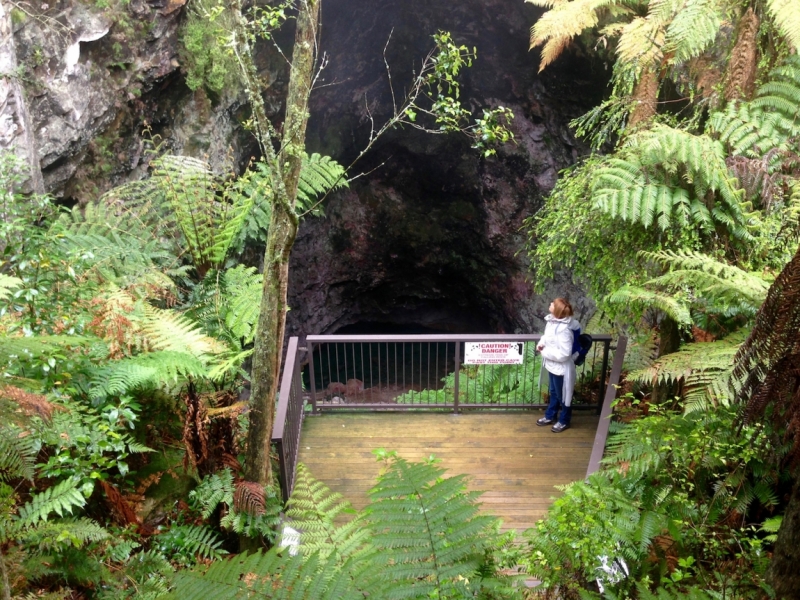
[
  {"x": 544, "y": 421},
  {"x": 559, "y": 427}
]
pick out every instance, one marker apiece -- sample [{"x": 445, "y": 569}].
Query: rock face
[
  {"x": 432, "y": 236},
  {"x": 428, "y": 236}
]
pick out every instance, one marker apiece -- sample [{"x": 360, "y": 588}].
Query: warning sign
[{"x": 493, "y": 353}]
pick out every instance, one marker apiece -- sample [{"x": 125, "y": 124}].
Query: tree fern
[
  {"x": 693, "y": 29},
  {"x": 222, "y": 489},
  {"x": 241, "y": 301},
  {"x": 722, "y": 284},
  {"x": 564, "y": 21}
]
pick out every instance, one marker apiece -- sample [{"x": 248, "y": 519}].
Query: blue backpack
[{"x": 581, "y": 343}]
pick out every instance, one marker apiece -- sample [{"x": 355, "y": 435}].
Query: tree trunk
[
  {"x": 282, "y": 233},
  {"x": 669, "y": 342},
  {"x": 783, "y": 573},
  {"x": 645, "y": 96}
]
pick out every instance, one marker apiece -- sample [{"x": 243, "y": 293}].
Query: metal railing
[
  {"x": 289, "y": 419},
  {"x": 428, "y": 371},
  {"x": 418, "y": 372}
]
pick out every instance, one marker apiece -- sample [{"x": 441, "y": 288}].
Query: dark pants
[{"x": 556, "y": 393}]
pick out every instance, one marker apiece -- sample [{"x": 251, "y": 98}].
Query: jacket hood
[{"x": 571, "y": 322}]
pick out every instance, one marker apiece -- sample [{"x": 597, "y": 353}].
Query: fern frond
[
  {"x": 641, "y": 42},
  {"x": 7, "y": 285},
  {"x": 427, "y": 531},
  {"x": 719, "y": 282},
  {"x": 60, "y": 499},
  {"x": 17, "y": 453},
  {"x": 692, "y": 360},
  {"x": 565, "y": 20},
  {"x": 148, "y": 370},
  {"x": 171, "y": 331},
  {"x": 275, "y": 574},
  {"x": 318, "y": 175},
  {"x": 313, "y": 509},
  {"x": 693, "y": 29},
  {"x": 645, "y": 298},
  {"x": 786, "y": 14},
  {"x": 55, "y": 534},
  {"x": 242, "y": 301},
  {"x": 198, "y": 540},
  {"x": 768, "y": 124}
]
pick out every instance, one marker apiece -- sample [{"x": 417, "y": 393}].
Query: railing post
[
  {"x": 599, "y": 446},
  {"x": 602, "y": 391},
  {"x": 310, "y": 346},
  {"x": 283, "y": 474},
  {"x": 457, "y": 377}
]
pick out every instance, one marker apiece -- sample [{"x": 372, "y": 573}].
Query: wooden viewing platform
[{"x": 505, "y": 454}]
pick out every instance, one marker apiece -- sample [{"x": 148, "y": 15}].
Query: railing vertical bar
[
  {"x": 336, "y": 354},
  {"x": 458, "y": 377},
  {"x": 311, "y": 376},
  {"x": 328, "y": 350},
  {"x": 428, "y": 373},
  {"x": 344, "y": 356}
]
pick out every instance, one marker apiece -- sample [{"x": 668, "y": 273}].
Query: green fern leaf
[
  {"x": 60, "y": 499},
  {"x": 7, "y": 285},
  {"x": 786, "y": 14},
  {"x": 318, "y": 176},
  {"x": 437, "y": 551}
]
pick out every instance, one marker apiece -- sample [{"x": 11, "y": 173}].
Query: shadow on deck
[{"x": 506, "y": 455}]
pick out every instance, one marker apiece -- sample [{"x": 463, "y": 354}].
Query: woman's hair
[{"x": 562, "y": 308}]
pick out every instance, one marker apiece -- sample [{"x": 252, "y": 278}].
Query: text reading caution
[{"x": 493, "y": 353}]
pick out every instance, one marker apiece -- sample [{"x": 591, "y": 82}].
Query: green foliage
[
  {"x": 185, "y": 544},
  {"x": 644, "y": 183},
  {"x": 247, "y": 508},
  {"x": 319, "y": 175},
  {"x": 206, "y": 61},
  {"x": 674, "y": 490},
  {"x": 313, "y": 510},
  {"x": 703, "y": 369},
  {"x": 786, "y": 15},
  {"x": 570, "y": 234},
  {"x": 436, "y": 554},
  {"x": 420, "y": 537},
  {"x": 86, "y": 444}
]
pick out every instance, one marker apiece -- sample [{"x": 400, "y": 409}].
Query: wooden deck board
[{"x": 506, "y": 455}]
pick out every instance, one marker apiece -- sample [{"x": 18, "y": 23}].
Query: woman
[{"x": 559, "y": 362}]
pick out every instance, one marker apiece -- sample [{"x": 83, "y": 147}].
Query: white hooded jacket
[{"x": 557, "y": 355}]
